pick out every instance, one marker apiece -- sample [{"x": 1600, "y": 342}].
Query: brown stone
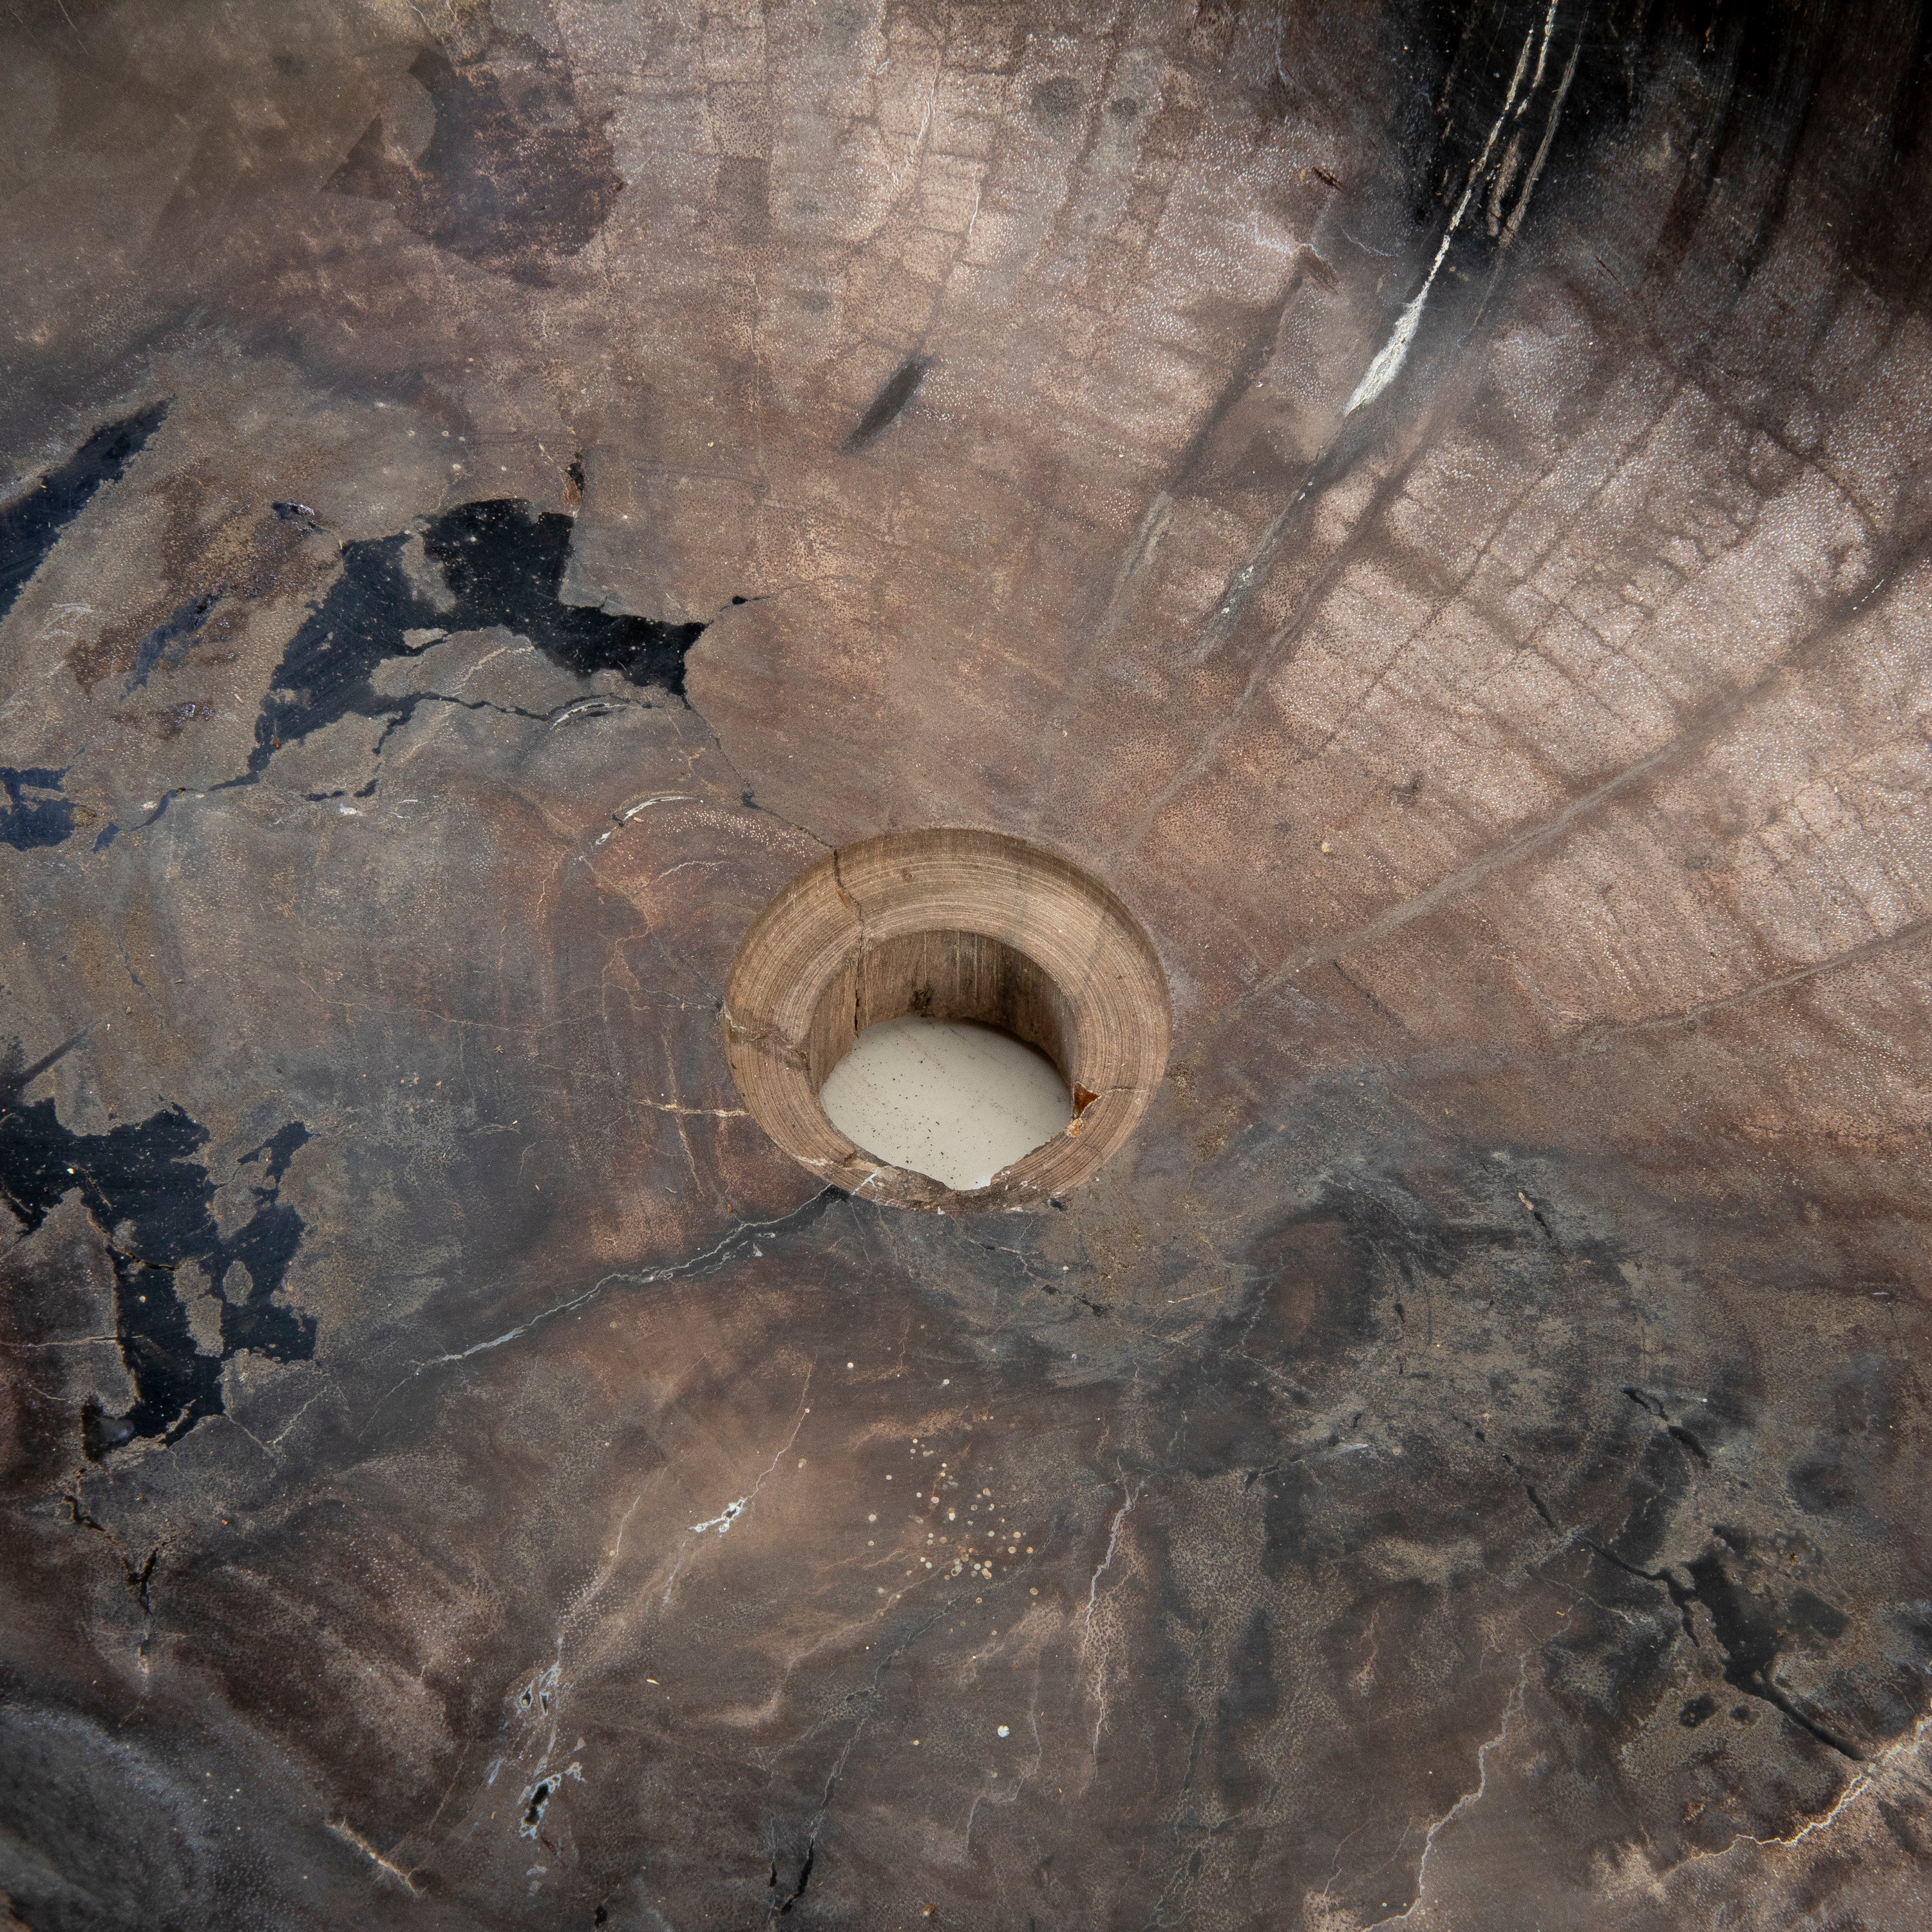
[{"x": 1425, "y": 508}]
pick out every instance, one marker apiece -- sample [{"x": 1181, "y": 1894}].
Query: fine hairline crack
[{"x": 721, "y": 1254}]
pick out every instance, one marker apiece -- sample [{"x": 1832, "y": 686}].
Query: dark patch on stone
[
  {"x": 1695, "y": 1712},
  {"x": 153, "y": 1201},
  {"x": 1324, "y": 1270},
  {"x": 743, "y": 196},
  {"x": 171, "y": 640},
  {"x": 1747, "y": 1633},
  {"x": 215, "y": 567},
  {"x": 1056, "y": 103},
  {"x": 1362, "y": 1266},
  {"x": 1855, "y": 1433},
  {"x": 26, "y": 822},
  {"x": 514, "y": 176},
  {"x": 1807, "y": 1614},
  {"x": 1760, "y": 67},
  {"x": 30, "y": 525},
  {"x": 1245, "y": 1711},
  {"x": 1749, "y": 1630},
  {"x": 502, "y": 563},
  {"x": 886, "y": 408}
]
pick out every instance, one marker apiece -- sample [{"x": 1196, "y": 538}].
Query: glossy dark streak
[
  {"x": 1757, "y": 71},
  {"x": 1760, "y": 71},
  {"x": 501, "y": 563},
  {"x": 30, "y": 525},
  {"x": 1764, "y": 73},
  {"x": 889, "y": 405},
  {"x": 1759, "y": 64},
  {"x": 153, "y": 1200}
]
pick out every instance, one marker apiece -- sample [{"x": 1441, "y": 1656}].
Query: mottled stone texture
[{"x": 496, "y": 490}]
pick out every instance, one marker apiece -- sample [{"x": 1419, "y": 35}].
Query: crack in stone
[
  {"x": 745, "y": 1235},
  {"x": 1468, "y": 1801}
]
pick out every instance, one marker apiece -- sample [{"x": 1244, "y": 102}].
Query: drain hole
[
  {"x": 947, "y": 1017},
  {"x": 949, "y": 1098},
  {"x": 942, "y": 1052}
]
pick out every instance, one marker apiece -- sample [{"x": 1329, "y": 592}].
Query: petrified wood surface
[
  {"x": 961, "y": 925},
  {"x": 497, "y": 490}
]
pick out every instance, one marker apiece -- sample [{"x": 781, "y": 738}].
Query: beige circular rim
[{"x": 943, "y": 880}]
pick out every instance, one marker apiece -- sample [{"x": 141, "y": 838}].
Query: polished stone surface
[{"x": 1428, "y": 502}]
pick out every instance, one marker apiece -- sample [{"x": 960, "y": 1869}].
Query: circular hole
[
  {"x": 936, "y": 1016},
  {"x": 965, "y": 1079}
]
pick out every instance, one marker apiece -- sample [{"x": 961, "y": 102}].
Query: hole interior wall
[{"x": 943, "y": 974}]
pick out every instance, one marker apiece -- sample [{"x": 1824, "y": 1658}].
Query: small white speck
[{"x": 1002, "y": 1731}]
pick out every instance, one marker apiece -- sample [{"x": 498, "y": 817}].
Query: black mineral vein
[
  {"x": 500, "y": 563},
  {"x": 34, "y": 813},
  {"x": 153, "y": 1200},
  {"x": 32, "y": 524}
]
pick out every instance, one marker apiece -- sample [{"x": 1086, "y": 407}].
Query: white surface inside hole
[{"x": 946, "y": 1098}]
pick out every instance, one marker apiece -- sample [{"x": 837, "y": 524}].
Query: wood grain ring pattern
[{"x": 958, "y": 924}]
